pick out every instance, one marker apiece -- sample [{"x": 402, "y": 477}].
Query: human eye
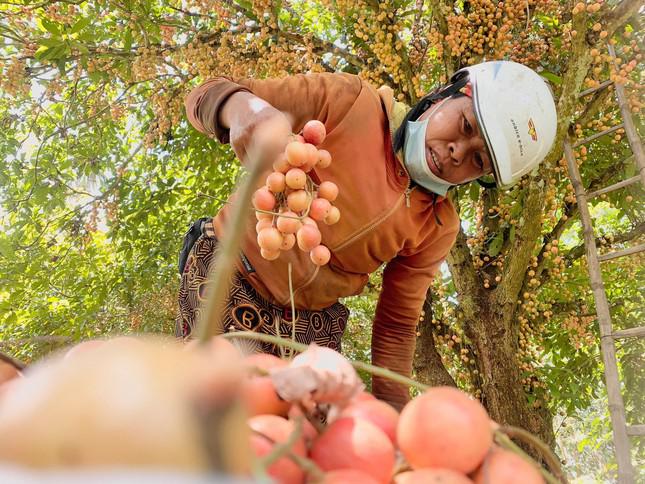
[
  {"x": 480, "y": 161},
  {"x": 468, "y": 128}
]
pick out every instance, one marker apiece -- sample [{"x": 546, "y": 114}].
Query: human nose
[
  {"x": 463, "y": 150},
  {"x": 458, "y": 151}
]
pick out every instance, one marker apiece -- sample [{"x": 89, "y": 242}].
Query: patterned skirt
[{"x": 246, "y": 310}]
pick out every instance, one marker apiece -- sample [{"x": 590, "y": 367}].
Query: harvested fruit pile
[
  {"x": 157, "y": 404},
  {"x": 290, "y": 205}
]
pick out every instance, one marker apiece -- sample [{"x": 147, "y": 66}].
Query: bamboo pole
[
  {"x": 608, "y": 349},
  {"x": 630, "y": 130}
]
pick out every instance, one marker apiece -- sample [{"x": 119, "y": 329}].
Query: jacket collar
[{"x": 395, "y": 110}]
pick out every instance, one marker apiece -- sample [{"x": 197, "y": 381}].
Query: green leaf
[
  {"x": 511, "y": 235},
  {"x": 496, "y": 245},
  {"x": 127, "y": 40},
  {"x": 50, "y": 26},
  {"x": 45, "y": 53},
  {"x": 50, "y": 42},
  {"x": 81, "y": 47},
  {"x": 550, "y": 76},
  {"x": 6, "y": 248},
  {"x": 473, "y": 192},
  {"x": 81, "y": 24}
]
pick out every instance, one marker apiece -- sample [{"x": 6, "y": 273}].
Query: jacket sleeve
[
  {"x": 406, "y": 280},
  {"x": 323, "y": 96}
]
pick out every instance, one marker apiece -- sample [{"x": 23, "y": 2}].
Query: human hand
[{"x": 257, "y": 130}]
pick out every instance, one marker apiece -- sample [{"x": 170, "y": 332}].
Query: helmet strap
[{"x": 486, "y": 184}]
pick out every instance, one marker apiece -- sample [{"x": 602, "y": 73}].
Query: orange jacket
[{"x": 383, "y": 220}]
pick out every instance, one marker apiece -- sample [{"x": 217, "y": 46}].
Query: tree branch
[
  {"x": 620, "y": 14},
  {"x": 438, "y": 12},
  {"x": 592, "y": 107},
  {"x": 579, "y": 251}
]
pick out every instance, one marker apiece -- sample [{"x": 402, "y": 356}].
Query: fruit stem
[
  {"x": 547, "y": 454},
  {"x": 311, "y": 416},
  {"x": 285, "y": 449},
  {"x": 504, "y": 441},
  {"x": 223, "y": 267},
  {"x": 293, "y": 309},
  {"x": 359, "y": 365}
]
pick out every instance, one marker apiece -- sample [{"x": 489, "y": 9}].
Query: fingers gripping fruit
[{"x": 290, "y": 205}]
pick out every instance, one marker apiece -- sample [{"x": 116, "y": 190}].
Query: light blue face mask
[{"x": 414, "y": 149}]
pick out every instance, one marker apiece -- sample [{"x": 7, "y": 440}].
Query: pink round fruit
[
  {"x": 270, "y": 254},
  {"x": 333, "y": 216},
  {"x": 309, "y": 432},
  {"x": 324, "y": 159},
  {"x": 269, "y": 239},
  {"x": 274, "y": 430},
  {"x": 444, "y": 428},
  {"x": 308, "y": 237},
  {"x": 288, "y": 241},
  {"x": 296, "y": 153},
  {"x": 298, "y": 200},
  {"x": 263, "y": 216},
  {"x": 328, "y": 190},
  {"x": 362, "y": 397},
  {"x": 281, "y": 164},
  {"x": 276, "y": 182},
  {"x": 379, "y": 413},
  {"x": 351, "y": 443},
  {"x": 319, "y": 209},
  {"x": 312, "y": 156},
  {"x": 504, "y": 467},
  {"x": 288, "y": 223},
  {"x": 296, "y": 179},
  {"x": 320, "y": 255},
  {"x": 348, "y": 476},
  {"x": 314, "y": 132},
  {"x": 432, "y": 476},
  {"x": 258, "y": 392},
  {"x": 263, "y": 199},
  {"x": 263, "y": 224}
]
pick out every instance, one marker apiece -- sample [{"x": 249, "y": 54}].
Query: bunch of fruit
[
  {"x": 441, "y": 436},
  {"x": 290, "y": 205},
  {"x": 204, "y": 408}
]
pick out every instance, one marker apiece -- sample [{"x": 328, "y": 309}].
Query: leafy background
[{"x": 102, "y": 175}]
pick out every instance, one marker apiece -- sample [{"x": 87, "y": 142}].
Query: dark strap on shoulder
[{"x": 194, "y": 232}]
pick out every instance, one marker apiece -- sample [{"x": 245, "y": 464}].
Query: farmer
[{"x": 393, "y": 166}]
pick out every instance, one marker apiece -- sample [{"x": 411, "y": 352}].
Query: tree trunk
[
  {"x": 428, "y": 367},
  {"x": 493, "y": 332}
]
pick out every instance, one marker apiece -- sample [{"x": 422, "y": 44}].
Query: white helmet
[{"x": 516, "y": 114}]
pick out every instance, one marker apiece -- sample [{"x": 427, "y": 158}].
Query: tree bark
[
  {"x": 428, "y": 367},
  {"x": 493, "y": 332}
]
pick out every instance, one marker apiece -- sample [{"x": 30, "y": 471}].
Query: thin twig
[
  {"x": 307, "y": 465},
  {"x": 359, "y": 365},
  {"x": 279, "y": 450},
  {"x": 544, "y": 450},
  {"x": 223, "y": 267},
  {"x": 504, "y": 441},
  {"x": 293, "y": 308}
]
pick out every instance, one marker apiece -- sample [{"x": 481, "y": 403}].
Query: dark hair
[{"x": 449, "y": 90}]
